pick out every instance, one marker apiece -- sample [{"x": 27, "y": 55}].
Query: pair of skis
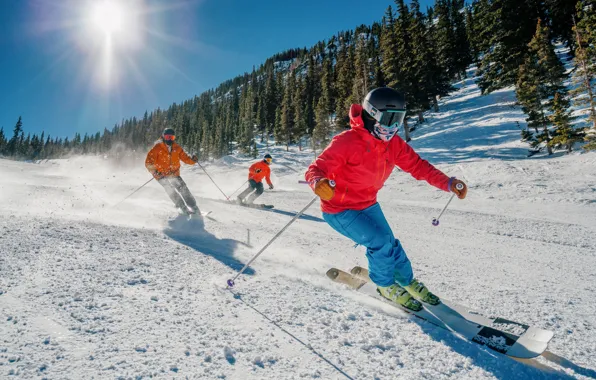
[
  {"x": 254, "y": 205},
  {"x": 504, "y": 336}
]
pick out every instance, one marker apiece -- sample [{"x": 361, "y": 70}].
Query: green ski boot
[
  {"x": 399, "y": 295},
  {"x": 421, "y": 292}
]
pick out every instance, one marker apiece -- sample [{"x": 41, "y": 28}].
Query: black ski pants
[
  {"x": 178, "y": 192},
  {"x": 255, "y": 186}
]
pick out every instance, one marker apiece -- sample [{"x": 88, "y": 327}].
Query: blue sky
[{"x": 54, "y": 65}]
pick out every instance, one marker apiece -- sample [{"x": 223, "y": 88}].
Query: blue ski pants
[{"x": 387, "y": 260}]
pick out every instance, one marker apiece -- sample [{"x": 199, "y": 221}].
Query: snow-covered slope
[{"x": 134, "y": 291}]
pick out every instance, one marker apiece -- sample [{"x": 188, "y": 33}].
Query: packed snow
[{"x": 94, "y": 288}]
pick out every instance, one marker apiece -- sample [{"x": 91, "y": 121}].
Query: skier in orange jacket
[
  {"x": 163, "y": 162},
  {"x": 256, "y": 173}
]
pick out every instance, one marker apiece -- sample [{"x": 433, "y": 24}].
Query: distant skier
[
  {"x": 360, "y": 161},
  {"x": 163, "y": 162},
  {"x": 256, "y": 173}
]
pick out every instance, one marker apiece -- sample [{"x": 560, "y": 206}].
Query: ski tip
[
  {"x": 356, "y": 271},
  {"x": 333, "y": 273}
]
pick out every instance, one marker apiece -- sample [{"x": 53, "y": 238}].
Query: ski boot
[
  {"x": 239, "y": 200},
  {"x": 421, "y": 292},
  {"x": 399, "y": 295}
]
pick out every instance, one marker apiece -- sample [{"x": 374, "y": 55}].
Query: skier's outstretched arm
[
  {"x": 268, "y": 179},
  {"x": 186, "y": 158},
  {"x": 409, "y": 161}
]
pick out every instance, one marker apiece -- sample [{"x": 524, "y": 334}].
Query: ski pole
[
  {"x": 224, "y": 194},
  {"x": 435, "y": 221},
  {"x": 238, "y": 188},
  {"x": 131, "y": 194},
  {"x": 231, "y": 280}
]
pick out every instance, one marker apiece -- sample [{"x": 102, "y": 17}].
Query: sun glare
[
  {"x": 107, "y": 16},
  {"x": 113, "y": 40}
]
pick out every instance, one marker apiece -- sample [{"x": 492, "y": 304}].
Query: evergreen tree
[
  {"x": 327, "y": 88},
  {"x": 422, "y": 62},
  {"x": 13, "y": 146},
  {"x": 390, "y": 66},
  {"x": 361, "y": 80},
  {"x": 508, "y": 26},
  {"x": 462, "y": 53},
  {"x": 300, "y": 110},
  {"x": 310, "y": 93},
  {"x": 472, "y": 33},
  {"x": 540, "y": 78},
  {"x": 286, "y": 133},
  {"x": 375, "y": 55},
  {"x": 322, "y": 131},
  {"x": 2, "y": 141},
  {"x": 585, "y": 57},
  {"x": 560, "y": 14},
  {"x": 564, "y": 134},
  {"x": 406, "y": 68},
  {"x": 444, "y": 34},
  {"x": 247, "y": 115},
  {"x": 343, "y": 84}
]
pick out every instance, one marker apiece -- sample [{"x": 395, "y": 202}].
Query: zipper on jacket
[{"x": 343, "y": 196}]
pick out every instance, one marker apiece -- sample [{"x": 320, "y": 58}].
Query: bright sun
[{"x": 108, "y": 17}]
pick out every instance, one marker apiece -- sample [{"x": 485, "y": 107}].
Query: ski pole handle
[{"x": 435, "y": 222}]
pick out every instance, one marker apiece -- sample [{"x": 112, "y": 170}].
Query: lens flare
[{"x": 108, "y": 17}]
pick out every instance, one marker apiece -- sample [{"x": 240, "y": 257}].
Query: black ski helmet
[
  {"x": 384, "y": 111},
  {"x": 386, "y": 98},
  {"x": 168, "y": 131}
]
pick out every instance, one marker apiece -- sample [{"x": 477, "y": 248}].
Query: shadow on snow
[{"x": 192, "y": 233}]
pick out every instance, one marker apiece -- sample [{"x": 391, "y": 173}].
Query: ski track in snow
[{"x": 88, "y": 290}]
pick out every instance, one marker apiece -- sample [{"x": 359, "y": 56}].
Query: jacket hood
[
  {"x": 357, "y": 124},
  {"x": 356, "y": 121}
]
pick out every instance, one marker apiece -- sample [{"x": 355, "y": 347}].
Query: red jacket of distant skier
[
  {"x": 360, "y": 164},
  {"x": 258, "y": 170}
]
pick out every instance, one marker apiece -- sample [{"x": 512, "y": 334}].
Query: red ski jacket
[
  {"x": 258, "y": 171},
  {"x": 360, "y": 164}
]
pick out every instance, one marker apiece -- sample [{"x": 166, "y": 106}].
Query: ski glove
[
  {"x": 270, "y": 187},
  {"x": 195, "y": 158},
  {"x": 158, "y": 175},
  {"x": 461, "y": 194},
  {"x": 324, "y": 189}
]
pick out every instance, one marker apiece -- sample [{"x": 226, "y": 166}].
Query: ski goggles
[
  {"x": 269, "y": 160},
  {"x": 169, "y": 137},
  {"x": 388, "y": 118}
]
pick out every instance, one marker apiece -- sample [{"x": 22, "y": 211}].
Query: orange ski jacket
[
  {"x": 258, "y": 170},
  {"x": 166, "y": 160}
]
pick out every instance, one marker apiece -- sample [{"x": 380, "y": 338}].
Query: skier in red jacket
[
  {"x": 256, "y": 173},
  {"x": 359, "y": 161}
]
